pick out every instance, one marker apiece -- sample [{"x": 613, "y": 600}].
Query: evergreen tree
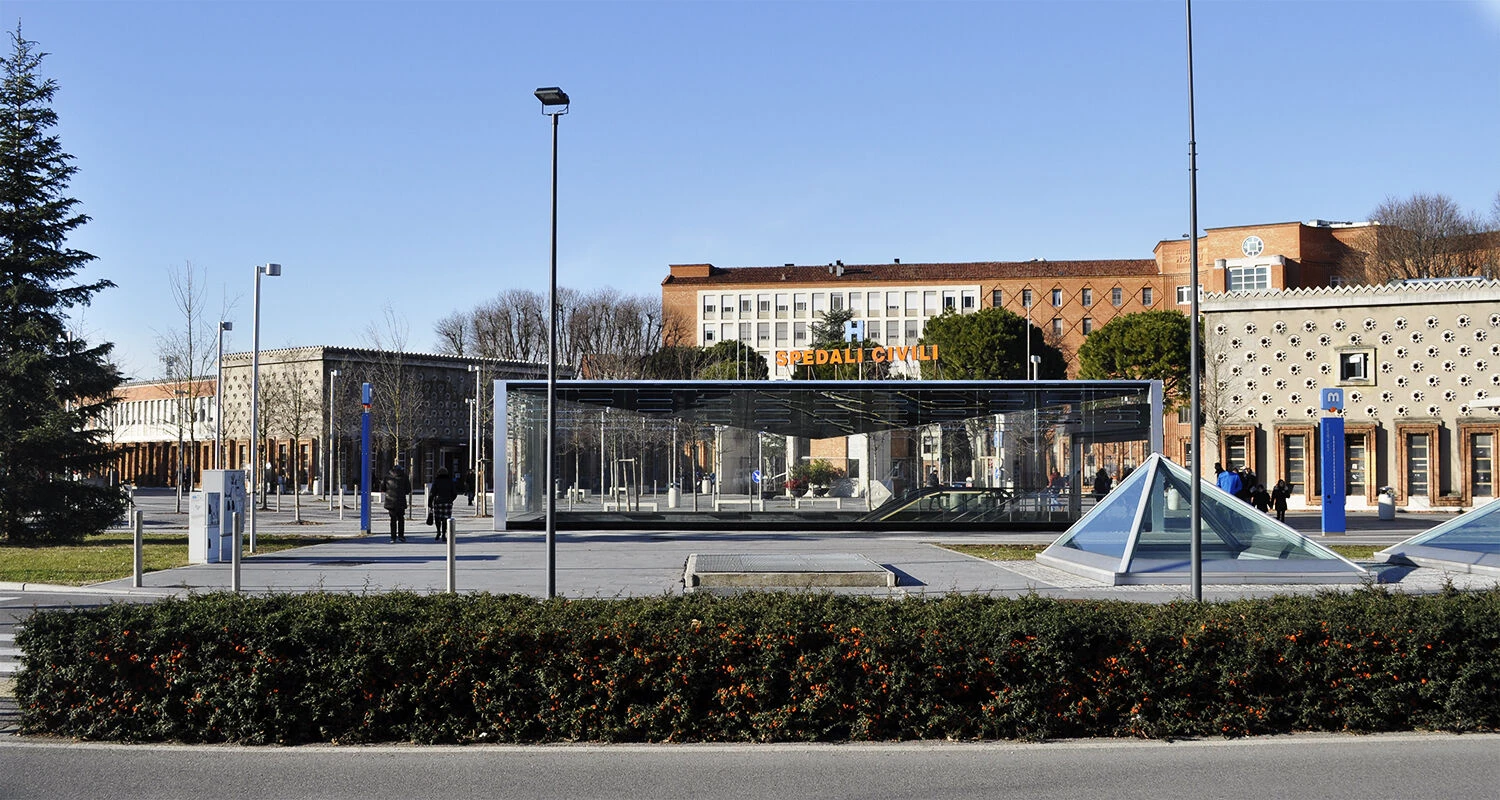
[
  {"x": 1143, "y": 346},
  {"x": 51, "y": 385},
  {"x": 989, "y": 344}
]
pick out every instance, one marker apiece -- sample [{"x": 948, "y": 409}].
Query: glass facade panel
[{"x": 621, "y": 444}]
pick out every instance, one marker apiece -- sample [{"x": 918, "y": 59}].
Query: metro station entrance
[{"x": 815, "y": 455}]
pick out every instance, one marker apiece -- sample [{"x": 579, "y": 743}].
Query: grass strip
[{"x": 107, "y": 556}]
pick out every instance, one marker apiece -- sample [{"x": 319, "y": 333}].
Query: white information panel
[{"x": 211, "y": 513}]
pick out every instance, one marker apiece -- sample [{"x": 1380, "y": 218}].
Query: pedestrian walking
[
  {"x": 1260, "y": 498},
  {"x": 440, "y": 503},
  {"x": 397, "y": 487},
  {"x": 1279, "y": 494},
  {"x": 1101, "y": 483}
]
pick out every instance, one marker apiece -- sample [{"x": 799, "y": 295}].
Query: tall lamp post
[
  {"x": 273, "y": 270},
  {"x": 1195, "y": 466},
  {"x": 224, "y": 325},
  {"x": 554, "y": 105},
  {"x": 171, "y": 363},
  {"x": 328, "y": 441}
]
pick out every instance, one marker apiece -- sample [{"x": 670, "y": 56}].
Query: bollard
[
  {"x": 341, "y": 503},
  {"x": 452, "y": 558},
  {"x": 234, "y": 559},
  {"x": 140, "y": 567}
]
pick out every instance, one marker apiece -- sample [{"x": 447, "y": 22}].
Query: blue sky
[{"x": 393, "y": 152}]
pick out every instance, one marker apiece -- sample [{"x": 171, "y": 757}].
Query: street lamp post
[
  {"x": 224, "y": 325},
  {"x": 273, "y": 270},
  {"x": 171, "y": 365},
  {"x": 328, "y": 441},
  {"x": 554, "y": 105}
]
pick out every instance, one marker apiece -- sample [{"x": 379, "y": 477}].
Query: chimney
[{"x": 898, "y": 261}]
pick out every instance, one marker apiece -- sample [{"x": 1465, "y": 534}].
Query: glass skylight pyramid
[
  {"x": 1469, "y": 542},
  {"x": 1141, "y": 533}
]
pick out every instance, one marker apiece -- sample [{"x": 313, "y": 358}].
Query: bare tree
[
  {"x": 399, "y": 400},
  {"x": 455, "y": 334},
  {"x": 1424, "y": 236},
  {"x": 294, "y": 411},
  {"x": 189, "y": 350}
]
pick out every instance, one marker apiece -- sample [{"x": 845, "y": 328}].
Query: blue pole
[
  {"x": 1331, "y": 461},
  {"x": 364, "y": 457}
]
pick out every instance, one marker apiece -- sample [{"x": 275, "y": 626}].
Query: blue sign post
[
  {"x": 364, "y": 457},
  {"x": 1331, "y": 461}
]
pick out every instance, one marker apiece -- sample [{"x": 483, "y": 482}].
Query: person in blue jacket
[{"x": 1229, "y": 481}]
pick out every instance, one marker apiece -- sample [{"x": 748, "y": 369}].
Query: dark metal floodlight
[{"x": 554, "y": 100}]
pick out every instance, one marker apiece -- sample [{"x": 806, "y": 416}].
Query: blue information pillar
[
  {"x": 1331, "y": 460},
  {"x": 364, "y": 459}
]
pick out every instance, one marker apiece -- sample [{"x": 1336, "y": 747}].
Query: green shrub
[{"x": 762, "y": 667}]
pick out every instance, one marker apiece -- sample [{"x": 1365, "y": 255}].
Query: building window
[
  {"x": 1185, "y": 294},
  {"x": 892, "y": 331},
  {"x": 1087, "y": 297},
  {"x": 893, "y": 304},
  {"x": 997, "y": 298},
  {"x": 1248, "y": 279},
  {"x": 1117, "y": 296},
  {"x": 726, "y": 305},
  {"x": 1146, "y": 296},
  {"x": 1481, "y": 465},
  {"x": 930, "y": 304},
  {"x": 744, "y": 332},
  {"x": 763, "y": 304},
  {"x": 1417, "y": 446},
  {"x": 781, "y": 332},
  {"x": 763, "y": 334},
  {"x": 1354, "y": 366},
  {"x": 820, "y": 304},
  {"x": 1057, "y": 298},
  {"x": 970, "y": 301},
  {"x": 1026, "y": 298},
  {"x": 799, "y": 304},
  {"x": 950, "y": 301},
  {"x": 1184, "y": 415},
  {"x": 708, "y": 333},
  {"x": 710, "y": 308},
  {"x": 1234, "y": 451},
  {"x": 799, "y": 332},
  {"x": 1355, "y": 449},
  {"x": 857, "y": 303},
  {"x": 783, "y": 305},
  {"x": 1294, "y": 462},
  {"x": 913, "y": 331},
  {"x": 911, "y": 304},
  {"x": 1057, "y": 326},
  {"x": 745, "y": 301},
  {"x": 1088, "y": 325},
  {"x": 836, "y": 301}
]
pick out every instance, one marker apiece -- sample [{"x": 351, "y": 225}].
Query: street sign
[{"x": 755, "y": 476}]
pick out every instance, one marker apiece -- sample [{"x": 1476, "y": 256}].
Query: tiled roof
[{"x": 920, "y": 273}]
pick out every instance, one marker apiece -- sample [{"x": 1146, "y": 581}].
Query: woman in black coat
[
  {"x": 397, "y": 487},
  {"x": 444, "y": 491}
]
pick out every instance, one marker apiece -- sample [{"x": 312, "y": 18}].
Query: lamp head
[
  {"x": 554, "y": 100},
  {"x": 273, "y": 270},
  {"x": 226, "y": 325}
]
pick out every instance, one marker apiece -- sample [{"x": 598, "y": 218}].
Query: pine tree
[{"x": 51, "y": 385}]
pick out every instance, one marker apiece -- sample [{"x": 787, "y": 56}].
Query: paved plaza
[{"x": 634, "y": 563}]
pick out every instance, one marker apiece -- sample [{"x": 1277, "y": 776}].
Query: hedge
[{"x": 755, "y": 668}]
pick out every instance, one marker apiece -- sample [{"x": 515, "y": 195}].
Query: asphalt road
[{"x": 1363, "y": 768}]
